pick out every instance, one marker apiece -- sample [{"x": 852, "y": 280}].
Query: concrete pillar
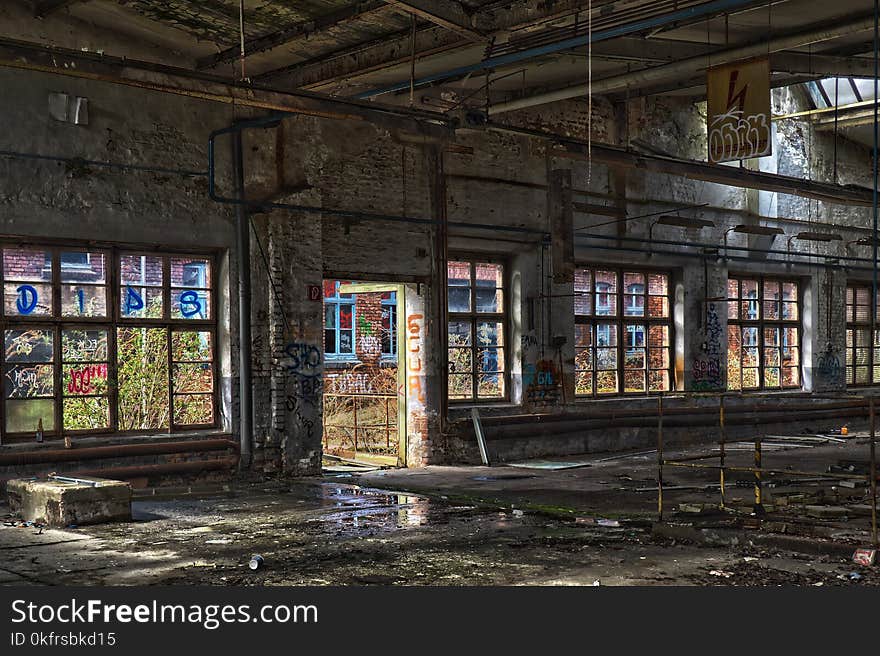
[
  {"x": 824, "y": 331},
  {"x": 703, "y": 324}
]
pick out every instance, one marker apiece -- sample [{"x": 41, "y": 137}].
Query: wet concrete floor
[{"x": 330, "y": 532}]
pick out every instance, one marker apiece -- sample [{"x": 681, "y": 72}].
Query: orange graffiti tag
[{"x": 414, "y": 342}]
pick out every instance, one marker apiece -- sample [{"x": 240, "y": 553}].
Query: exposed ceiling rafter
[
  {"x": 445, "y": 13},
  {"x": 43, "y": 8},
  {"x": 287, "y": 35}
]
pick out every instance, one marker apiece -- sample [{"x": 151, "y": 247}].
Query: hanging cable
[
  {"x": 589, "y": 91},
  {"x": 241, "y": 36},
  {"x": 412, "y": 62}
]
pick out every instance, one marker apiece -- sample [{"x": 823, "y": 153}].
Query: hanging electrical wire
[
  {"x": 589, "y": 91},
  {"x": 241, "y": 37}
]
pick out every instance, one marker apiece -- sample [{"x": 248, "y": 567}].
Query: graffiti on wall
[
  {"x": 303, "y": 363},
  {"x": 416, "y": 377},
  {"x": 706, "y": 369},
  {"x": 349, "y": 382},
  {"x": 528, "y": 341},
  {"x": 542, "y": 383},
  {"x": 370, "y": 345},
  {"x": 828, "y": 369}
]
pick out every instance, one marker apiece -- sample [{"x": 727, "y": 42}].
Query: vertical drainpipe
[
  {"x": 243, "y": 247},
  {"x": 876, "y": 139}
]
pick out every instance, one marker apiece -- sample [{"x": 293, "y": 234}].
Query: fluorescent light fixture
[
  {"x": 685, "y": 222},
  {"x": 818, "y": 236},
  {"x": 757, "y": 230}
]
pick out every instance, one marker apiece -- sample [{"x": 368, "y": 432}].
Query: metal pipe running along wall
[
  {"x": 689, "y": 66},
  {"x": 708, "y": 8}
]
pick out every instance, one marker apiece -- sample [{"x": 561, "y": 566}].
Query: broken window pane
[
  {"x": 583, "y": 298},
  {"x": 142, "y": 371},
  {"x": 193, "y": 409},
  {"x": 86, "y": 413},
  {"x": 83, "y": 266},
  {"x": 459, "y": 290},
  {"x": 193, "y": 382},
  {"x": 83, "y": 300}
]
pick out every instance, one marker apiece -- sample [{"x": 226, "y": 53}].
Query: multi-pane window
[
  {"x": 476, "y": 339},
  {"x": 338, "y": 322},
  {"x": 86, "y": 336},
  {"x": 623, "y": 332},
  {"x": 389, "y": 324},
  {"x": 763, "y": 334},
  {"x": 862, "y": 360}
]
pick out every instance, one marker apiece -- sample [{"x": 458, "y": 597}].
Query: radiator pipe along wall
[
  {"x": 45, "y": 456},
  {"x": 148, "y": 471},
  {"x": 694, "y": 421},
  {"x": 243, "y": 248}
]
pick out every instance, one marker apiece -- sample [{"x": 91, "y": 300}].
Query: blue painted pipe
[{"x": 698, "y": 11}]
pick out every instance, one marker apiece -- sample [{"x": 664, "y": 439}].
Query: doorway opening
[{"x": 364, "y": 370}]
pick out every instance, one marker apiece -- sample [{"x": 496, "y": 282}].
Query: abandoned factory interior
[{"x": 439, "y": 292}]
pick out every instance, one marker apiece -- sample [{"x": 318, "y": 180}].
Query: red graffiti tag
[{"x": 81, "y": 379}]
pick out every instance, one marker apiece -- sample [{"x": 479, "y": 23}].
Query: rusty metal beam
[
  {"x": 821, "y": 65},
  {"x": 167, "y": 79},
  {"x": 362, "y": 59},
  {"x": 447, "y": 14},
  {"x": 302, "y": 29},
  {"x": 393, "y": 49},
  {"x": 43, "y": 8},
  {"x": 619, "y": 158}
]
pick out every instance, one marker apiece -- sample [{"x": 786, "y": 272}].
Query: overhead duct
[{"x": 689, "y": 67}]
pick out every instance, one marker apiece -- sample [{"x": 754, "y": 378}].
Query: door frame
[{"x": 400, "y": 290}]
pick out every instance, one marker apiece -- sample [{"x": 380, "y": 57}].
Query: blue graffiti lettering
[
  {"x": 133, "y": 301},
  {"x": 81, "y": 300},
  {"x": 27, "y": 299},
  {"x": 190, "y": 305}
]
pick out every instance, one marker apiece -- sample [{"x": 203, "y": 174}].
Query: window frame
[
  {"x": 622, "y": 323},
  {"x": 337, "y": 301},
  {"x": 57, "y": 323},
  {"x": 855, "y": 325},
  {"x": 761, "y": 323},
  {"x": 391, "y": 304},
  {"x": 473, "y": 317}
]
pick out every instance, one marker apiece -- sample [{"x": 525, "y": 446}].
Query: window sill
[
  {"x": 340, "y": 362},
  {"x": 111, "y": 439}
]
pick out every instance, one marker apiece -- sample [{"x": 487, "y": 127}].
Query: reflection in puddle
[{"x": 360, "y": 508}]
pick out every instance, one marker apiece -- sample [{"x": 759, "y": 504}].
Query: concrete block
[
  {"x": 63, "y": 503},
  {"x": 826, "y": 512}
]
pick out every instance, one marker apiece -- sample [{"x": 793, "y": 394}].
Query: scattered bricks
[
  {"x": 826, "y": 512},
  {"x": 65, "y": 503},
  {"x": 865, "y": 557},
  {"x": 691, "y": 508}
]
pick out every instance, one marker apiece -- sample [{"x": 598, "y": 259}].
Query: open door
[{"x": 365, "y": 372}]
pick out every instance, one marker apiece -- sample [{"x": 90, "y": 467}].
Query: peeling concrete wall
[{"x": 491, "y": 178}]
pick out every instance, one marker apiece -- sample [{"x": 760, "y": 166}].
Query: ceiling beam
[
  {"x": 447, "y": 14},
  {"x": 363, "y": 58},
  {"x": 43, "y": 8},
  {"x": 294, "y": 32},
  {"x": 726, "y": 175},
  {"x": 685, "y": 68},
  {"x": 821, "y": 65},
  {"x": 395, "y": 48},
  {"x": 172, "y": 80}
]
